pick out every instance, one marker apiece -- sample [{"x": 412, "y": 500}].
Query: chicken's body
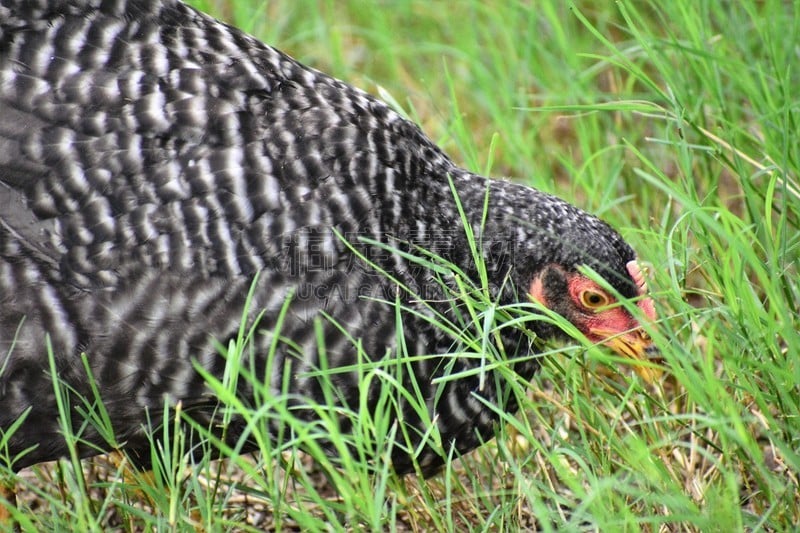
[{"x": 153, "y": 161}]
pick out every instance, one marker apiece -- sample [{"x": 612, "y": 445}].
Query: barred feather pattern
[{"x": 154, "y": 162}]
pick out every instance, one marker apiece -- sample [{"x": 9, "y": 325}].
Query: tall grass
[{"x": 677, "y": 122}]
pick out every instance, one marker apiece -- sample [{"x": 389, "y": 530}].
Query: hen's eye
[{"x": 593, "y": 299}]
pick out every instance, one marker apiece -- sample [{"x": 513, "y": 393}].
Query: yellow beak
[{"x": 637, "y": 346}]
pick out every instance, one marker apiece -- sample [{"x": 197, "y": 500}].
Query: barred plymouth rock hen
[{"x": 156, "y": 166}]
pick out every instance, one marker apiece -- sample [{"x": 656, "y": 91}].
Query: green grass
[{"x": 677, "y": 122}]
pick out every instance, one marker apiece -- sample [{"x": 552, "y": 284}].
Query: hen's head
[
  {"x": 597, "y": 313},
  {"x": 557, "y": 244}
]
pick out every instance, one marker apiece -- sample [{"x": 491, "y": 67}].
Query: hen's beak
[{"x": 638, "y": 346}]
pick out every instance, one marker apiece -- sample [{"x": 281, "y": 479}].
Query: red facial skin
[{"x": 599, "y": 316}]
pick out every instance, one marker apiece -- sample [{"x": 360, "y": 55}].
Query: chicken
[{"x": 164, "y": 176}]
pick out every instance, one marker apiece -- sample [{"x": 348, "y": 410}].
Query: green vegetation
[{"x": 679, "y": 124}]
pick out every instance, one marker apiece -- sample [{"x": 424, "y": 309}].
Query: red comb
[{"x": 638, "y": 276}]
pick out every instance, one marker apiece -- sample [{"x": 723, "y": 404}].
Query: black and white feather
[{"x": 153, "y": 161}]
